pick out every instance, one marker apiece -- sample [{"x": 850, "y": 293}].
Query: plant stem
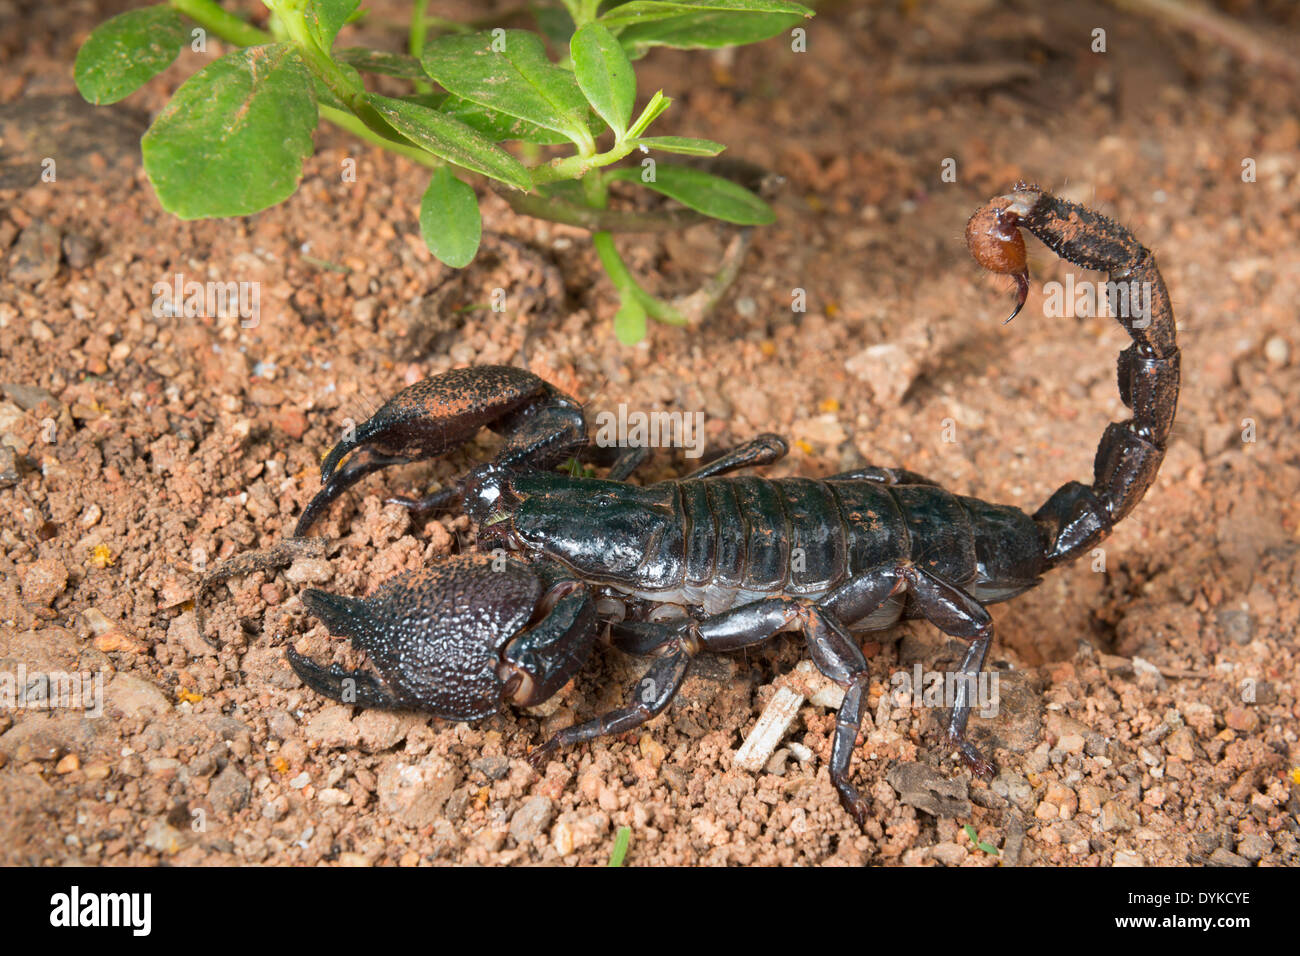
[
  {"x": 578, "y": 167},
  {"x": 359, "y": 129},
  {"x": 419, "y": 30},
  {"x": 223, "y": 24}
]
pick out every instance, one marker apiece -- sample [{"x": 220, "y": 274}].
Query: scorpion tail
[{"x": 1077, "y": 516}]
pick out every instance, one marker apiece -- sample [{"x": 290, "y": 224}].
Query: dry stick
[
  {"x": 279, "y": 555},
  {"x": 1204, "y": 22}
]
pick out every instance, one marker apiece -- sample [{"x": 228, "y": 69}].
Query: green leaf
[
  {"x": 498, "y": 127},
  {"x": 127, "y": 51},
  {"x": 706, "y": 30},
  {"x": 232, "y": 140},
  {"x": 453, "y": 141},
  {"x": 325, "y": 18},
  {"x": 682, "y": 144},
  {"x": 629, "y": 327},
  {"x": 604, "y": 74},
  {"x": 658, "y": 103},
  {"x": 703, "y": 192},
  {"x": 449, "y": 219},
  {"x": 377, "y": 61},
  {"x": 646, "y": 11},
  {"x": 624, "y": 835},
  {"x": 516, "y": 78}
]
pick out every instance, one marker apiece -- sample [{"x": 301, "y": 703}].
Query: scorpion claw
[
  {"x": 439, "y": 414},
  {"x": 435, "y": 636}
]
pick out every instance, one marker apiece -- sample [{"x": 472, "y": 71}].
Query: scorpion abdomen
[{"x": 745, "y": 538}]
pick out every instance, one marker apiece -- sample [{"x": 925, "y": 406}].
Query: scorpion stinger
[
  {"x": 716, "y": 562},
  {"x": 436, "y": 415}
]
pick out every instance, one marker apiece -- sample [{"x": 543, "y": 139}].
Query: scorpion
[{"x": 665, "y": 571}]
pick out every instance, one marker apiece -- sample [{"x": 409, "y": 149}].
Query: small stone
[
  {"x": 163, "y": 838},
  {"x": 292, "y": 422},
  {"x": 531, "y": 820},
  {"x": 494, "y": 768},
  {"x": 1013, "y": 787},
  {"x": 1046, "y": 810},
  {"x": 301, "y": 781},
  {"x": 44, "y": 580},
  {"x": 28, "y": 397},
  {"x": 381, "y": 730},
  {"x": 1128, "y": 858},
  {"x": 35, "y": 255},
  {"x": 889, "y": 369},
  {"x": 1222, "y": 857},
  {"x": 1092, "y": 798},
  {"x": 118, "y": 640},
  {"x": 1241, "y": 719},
  {"x": 184, "y": 630},
  {"x": 1255, "y": 846},
  {"x": 90, "y": 517},
  {"x": 1116, "y": 818},
  {"x": 415, "y": 794},
  {"x": 562, "y": 838},
  {"x": 79, "y": 250},
  {"x": 281, "y": 724},
  {"x": 135, "y": 696},
  {"x": 309, "y": 571},
  {"x": 333, "y": 728},
  {"x": 1277, "y": 351},
  {"x": 949, "y": 854},
  {"x": 230, "y": 791},
  {"x": 9, "y": 475},
  {"x": 348, "y": 858},
  {"x": 922, "y": 787},
  {"x": 68, "y": 764},
  {"x": 1071, "y": 743},
  {"x": 334, "y": 797},
  {"x": 1236, "y": 625}
]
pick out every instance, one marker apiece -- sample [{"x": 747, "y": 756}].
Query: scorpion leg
[
  {"x": 653, "y": 692},
  {"x": 886, "y": 476},
  {"x": 957, "y": 614},
  {"x": 761, "y": 450},
  {"x": 628, "y": 461},
  {"x": 833, "y": 650}
]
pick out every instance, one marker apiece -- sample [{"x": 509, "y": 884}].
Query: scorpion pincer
[{"x": 703, "y": 562}]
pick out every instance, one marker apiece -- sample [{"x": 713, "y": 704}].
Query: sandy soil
[{"x": 1148, "y": 708}]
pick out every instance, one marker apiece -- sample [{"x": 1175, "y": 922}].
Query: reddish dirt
[{"x": 1149, "y": 698}]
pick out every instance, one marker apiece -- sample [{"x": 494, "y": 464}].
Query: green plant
[
  {"x": 621, "y": 841},
  {"x": 233, "y": 138},
  {"x": 973, "y": 836}
]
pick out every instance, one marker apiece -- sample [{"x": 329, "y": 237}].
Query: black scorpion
[{"x": 565, "y": 561}]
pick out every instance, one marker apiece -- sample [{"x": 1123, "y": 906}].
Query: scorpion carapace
[{"x": 707, "y": 562}]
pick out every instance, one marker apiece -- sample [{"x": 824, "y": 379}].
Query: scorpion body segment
[
  {"x": 716, "y": 543},
  {"x": 714, "y": 561}
]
